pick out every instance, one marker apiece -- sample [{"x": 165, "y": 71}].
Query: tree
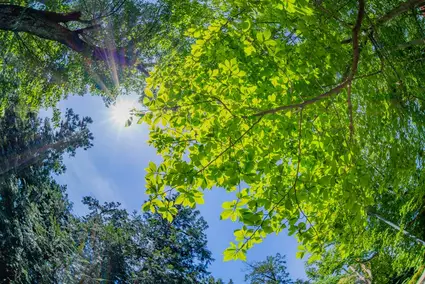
[
  {"x": 300, "y": 281},
  {"x": 211, "y": 280},
  {"x": 28, "y": 141},
  {"x": 307, "y": 112},
  {"x": 53, "y": 49},
  {"x": 104, "y": 240},
  {"x": 120, "y": 247},
  {"x": 179, "y": 246},
  {"x": 36, "y": 223},
  {"x": 270, "y": 271},
  {"x": 42, "y": 241}
]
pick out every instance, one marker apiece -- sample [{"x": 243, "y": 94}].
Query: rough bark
[{"x": 47, "y": 25}]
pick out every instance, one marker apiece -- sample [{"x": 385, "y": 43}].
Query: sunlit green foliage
[{"x": 310, "y": 113}]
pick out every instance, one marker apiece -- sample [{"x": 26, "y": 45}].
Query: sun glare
[{"x": 121, "y": 111}]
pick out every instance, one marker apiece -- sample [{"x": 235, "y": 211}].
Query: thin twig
[
  {"x": 350, "y": 111},
  {"x": 298, "y": 172},
  {"x": 224, "y": 105},
  {"x": 230, "y": 146}
]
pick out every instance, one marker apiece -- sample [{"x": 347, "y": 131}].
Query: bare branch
[{"x": 114, "y": 9}]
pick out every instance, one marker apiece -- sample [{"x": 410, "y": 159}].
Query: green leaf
[
  {"x": 246, "y": 25},
  {"x": 266, "y": 35},
  {"x": 300, "y": 254},
  {"x": 226, "y": 214},
  {"x": 146, "y": 206},
  {"x": 128, "y": 122},
  {"x": 228, "y": 204},
  {"x": 180, "y": 199},
  {"x": 152, "y": 166},
  {"x": 228, "y": 255},
  {"x": 148, "y": 93}
]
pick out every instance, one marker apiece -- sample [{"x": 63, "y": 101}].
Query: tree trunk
[
  {"x": 47, "y": 25},
  {"x": 391, "y": 224},
  {"x": 422, "y": 278}
]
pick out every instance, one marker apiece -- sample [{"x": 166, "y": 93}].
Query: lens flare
[{"x": 120, "y": 112}]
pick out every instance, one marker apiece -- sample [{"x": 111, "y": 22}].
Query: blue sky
[{"x": 113, "y": 170}]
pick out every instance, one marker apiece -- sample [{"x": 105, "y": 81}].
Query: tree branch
[
  {"x": 397, "y": 228},
  {"x": 46, "y": 25},
  {"x": 400, "y": 9},
  {"x": 408, "y": 44},
  {"x": 350, "y": 111},
  {"x": 93, "y": 27},
  {"x": 229, "y": 147},
  {"x": 349, "y": 78}
]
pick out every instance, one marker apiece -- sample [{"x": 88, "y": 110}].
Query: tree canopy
[
  {"x": 311, "y": 112},
  {"x": 35, "y": 214},
  {"x": 270, "y": 271},
  {"x": 52, "y": 49},
  {"x": 134, "y": 248}
]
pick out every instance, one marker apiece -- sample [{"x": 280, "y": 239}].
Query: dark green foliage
[
  {"x": 35, "y": 220},
  {"x": 34, "y": 230},
  {"x": 180, "y": 246},
  {"x": 118, "y": 246},
  {"x": 41, "y": 72},
  {"x": 28, "y": 141},
  {"x": 41, "y": 241},
  {"x": 269, "y": 271}
]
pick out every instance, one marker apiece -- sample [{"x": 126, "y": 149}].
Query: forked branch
[{"x": 347, "y": 80}]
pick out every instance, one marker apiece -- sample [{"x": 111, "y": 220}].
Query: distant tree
[
  {"x": 28, "y": 141},
  {"x": 180, "y": 245},
  {"x": 117, "y": 246},
  {"x": 212, "y": 280},
  {"x": 41, "y": 241},
  {"x": 104, "y": 243},
  {"x": 301, "y": 281},
  {"x": 35, "y": 220},
  {"x": 270, "y": 271}
]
